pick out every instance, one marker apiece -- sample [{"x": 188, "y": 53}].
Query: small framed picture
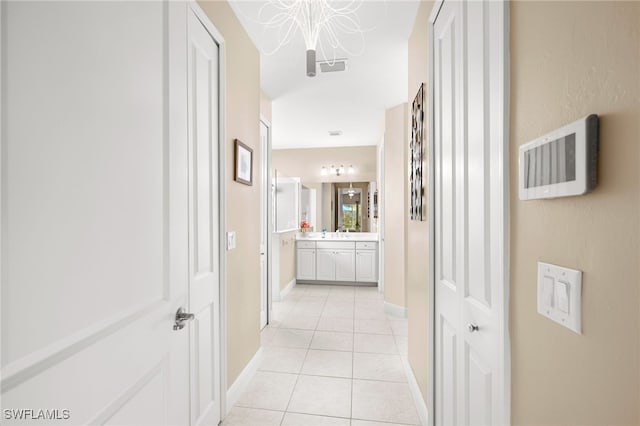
[{"x": 244, "y": 163}]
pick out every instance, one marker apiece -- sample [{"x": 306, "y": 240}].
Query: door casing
[
  {"x": 265, "y": 172},
  {"x": 504, "y": 238}
]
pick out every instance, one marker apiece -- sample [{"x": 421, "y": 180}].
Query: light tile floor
[{"x": 331, "y": 356}]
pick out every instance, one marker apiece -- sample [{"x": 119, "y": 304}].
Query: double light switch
[{"x": 559, "y": 294}]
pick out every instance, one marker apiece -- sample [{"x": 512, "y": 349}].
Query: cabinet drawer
[
  {"x": 306, "y": 244},
  {"x": 339, "y": 245},
  {"x": 366, "y": 245}
]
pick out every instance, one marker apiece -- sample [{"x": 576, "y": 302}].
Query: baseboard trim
[
  {"x": 287, "y": 289},
  {"x": 238, "y": 387},
  {"x": 421, "y": 406},
  {"x": 395, "y": 310}
]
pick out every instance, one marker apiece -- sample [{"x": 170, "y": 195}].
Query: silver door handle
[
  {"x": 472, "y": 328},
  {"x": 181, "y": 318}
]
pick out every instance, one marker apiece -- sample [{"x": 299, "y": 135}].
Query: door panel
[
  {"x": 306, "y": 264},
  {"x": 469, "y": 213},
  {"x": 478, "y": 388},
  {"x": 204, "y": 285},
  {"x": 447, "y": 189},
  {"x": 93, "y": 203},
  {"x": 345, "y": 261},
  {"x": 448, "y": 383},
  {"x": 366, "y": 265},
  {"x": 325, "y": 265}
]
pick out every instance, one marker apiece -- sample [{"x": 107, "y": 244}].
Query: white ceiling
[{"x": 354, "y": 101}]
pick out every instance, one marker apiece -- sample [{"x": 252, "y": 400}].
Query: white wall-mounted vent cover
[{"x": 333, "y": 66}]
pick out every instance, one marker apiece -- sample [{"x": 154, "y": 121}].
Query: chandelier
[
  {"x": 321, "y": 22},
  {"x": 351, "y": 192}
]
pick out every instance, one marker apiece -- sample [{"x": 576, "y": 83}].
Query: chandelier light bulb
[
  {"x": 323, "y": 171},
  {"x": 351, "y": 170}
]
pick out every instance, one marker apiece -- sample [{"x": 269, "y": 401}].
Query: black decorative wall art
[{"x": 416, "y": 150}]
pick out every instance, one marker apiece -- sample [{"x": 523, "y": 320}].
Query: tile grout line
[
  {"x": 353, "y": 355},
  {"x": 286, "y": 410}
]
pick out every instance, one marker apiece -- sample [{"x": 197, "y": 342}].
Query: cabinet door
[
  {"x": 306, "y": 264},
  {"x": 366, "y": 265},
  {"x": 325, "y": 265},
  {"x": 345, "y": 265}
]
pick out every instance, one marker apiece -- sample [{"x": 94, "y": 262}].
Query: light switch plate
[
  {"x": 231, "y": 240},
  {"x": 564, "y": 304}
]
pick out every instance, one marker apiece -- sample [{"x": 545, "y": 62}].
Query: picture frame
[
  {"x": 416, "y": 159},
  {"x": 243, "y": 170}
]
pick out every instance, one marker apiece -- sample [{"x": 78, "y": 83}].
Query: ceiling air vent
[
  {"x": 335, "y": 132},
  {"x": 333, "y": 66}
]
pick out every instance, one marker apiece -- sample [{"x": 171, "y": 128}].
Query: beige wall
[
  {"x": 242, "y": 122},
  {"x": 570, "y": 59},
  {"x": 395, "y": 204},
  {"x": 306, "y": 163},
  {"x": 417, "y": 232},
  {"x": 287, "y": 258}
]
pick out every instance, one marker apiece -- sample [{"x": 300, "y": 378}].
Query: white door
[
  {"x": 470, "y": 175},
  {"x": 306, "y": 264},
  {"x": 94, "y": 212},
  {"x": 325, "y": 265},
  {"x": 265, "y": 223},
  {"x": 366, "y": 265},
  {"x": 204, "y": 253},
  {"x": 345, "y": 265}
]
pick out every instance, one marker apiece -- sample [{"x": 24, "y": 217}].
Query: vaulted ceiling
[{"x": 305, "y": 108}]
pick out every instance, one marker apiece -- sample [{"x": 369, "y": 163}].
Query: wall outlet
[{"x": 231, "y": 240}]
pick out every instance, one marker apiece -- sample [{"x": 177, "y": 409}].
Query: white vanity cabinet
[
  {"x": 330, "y": 260},
  {"x": 306, "y": 260},
  {"x": 366, "y": 261},
  {"x": 335, "y": 260}
]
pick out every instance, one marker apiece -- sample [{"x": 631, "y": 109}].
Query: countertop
[{"x": 333, "y": 236}]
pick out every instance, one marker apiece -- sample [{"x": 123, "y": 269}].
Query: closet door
[
  {"x": 204, "y": 253},
  {"x": 471, "y": 375}
]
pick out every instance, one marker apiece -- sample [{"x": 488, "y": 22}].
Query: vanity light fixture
[{"x": 336, "y": 171}]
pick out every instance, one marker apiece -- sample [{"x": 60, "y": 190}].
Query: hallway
[{"x": 331, "y": 356}]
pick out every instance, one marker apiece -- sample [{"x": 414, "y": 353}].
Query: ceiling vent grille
[{"x": 333, "y": 66}]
